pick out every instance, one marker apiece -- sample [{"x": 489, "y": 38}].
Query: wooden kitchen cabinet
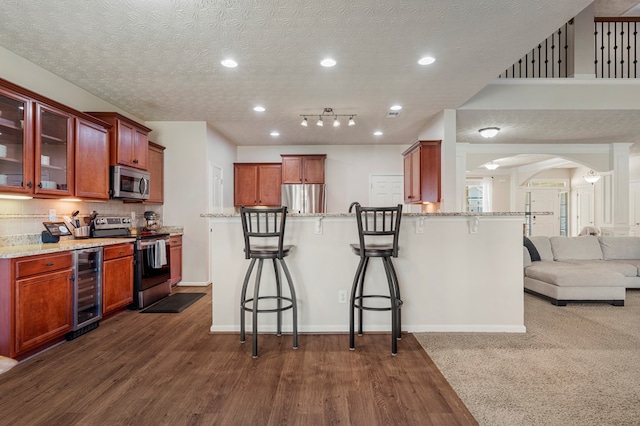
[
  {"x": 156, "y": 174},
  {"x": 175, "y": 257},
  {"x": 257, "y": 184},
  {"x": 303, "y": 168},
  {"x": 36, "y": 302},
  {"x": 40, "y": 153},
  {"x": 422, "y": 172},
  {"x": 128, "y": 140},
  {"x": 117, "y": 278},
  {"x": 91, "y": 161}
]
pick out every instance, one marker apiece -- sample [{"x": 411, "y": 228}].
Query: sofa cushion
[
  {"x": 625, "y": 268},
  {"x": 543, "y": 245},
  {"x": 620, "y": 248},
  {"x": 533, "y": 252},
  {"x": 576, "y": 248},
  {"x": 570, "y": 275}
]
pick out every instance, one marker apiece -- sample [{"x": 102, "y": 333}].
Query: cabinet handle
[
  {"x": 50, "y": 263},
  {"x": 135, "y": 161},
  {"x": 121, "y": 252},
  {"x": 40, "y": 185},
  {"x": 30, "y": 184}
]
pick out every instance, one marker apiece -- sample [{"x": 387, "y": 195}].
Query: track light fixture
[{"x": 328, "y": 112}]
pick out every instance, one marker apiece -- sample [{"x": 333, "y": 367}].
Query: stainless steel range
[{"x": 152, "y": 270}]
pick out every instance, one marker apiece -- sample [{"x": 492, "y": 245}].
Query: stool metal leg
[
  {"x": 398, "y": 297},
  {"x": 278, "y": 298},
  {"x": 352, "y": 303},
  {"x": 361, "y": 294},
  {"x": 243, "y": 299},
  {"x": 394, "y": 306},
  {"x": 294, "y": 303},
  {"x": 256, "y": 290}
]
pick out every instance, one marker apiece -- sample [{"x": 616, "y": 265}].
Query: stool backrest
[
  {"x": 263, "y": 223},
  {"x": 379, "y": 222}
]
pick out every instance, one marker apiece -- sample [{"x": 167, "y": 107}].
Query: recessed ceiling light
[
  {"x": 396, "y": 107},
  {"x": 275, "y": 133},
  {"x": 426, "y": 60},
  {"x": 327, "y": 62},
  {"x": 258, "y": 108},
  {"x": 229, "y": 63},
  {"x": 378, "y": 133}
]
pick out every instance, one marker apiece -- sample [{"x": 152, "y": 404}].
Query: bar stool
[
  {"x": 378, "y": 230},
  {"x": 267, "y": 225}
]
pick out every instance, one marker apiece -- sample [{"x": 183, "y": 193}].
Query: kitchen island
[{"x": 458, "y": 272}]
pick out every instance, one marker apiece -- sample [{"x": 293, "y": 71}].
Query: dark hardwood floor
[{"x": 144, "y": 369}]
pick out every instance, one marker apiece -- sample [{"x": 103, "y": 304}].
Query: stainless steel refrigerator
[{"x": 304, "y": 198}]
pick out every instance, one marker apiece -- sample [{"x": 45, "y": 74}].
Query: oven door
[{"x": 153, "y": 262}]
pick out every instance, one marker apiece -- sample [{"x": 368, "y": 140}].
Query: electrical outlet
[
  {"x": 52, "y": 215},
  {"x": 342, "y": 296}
]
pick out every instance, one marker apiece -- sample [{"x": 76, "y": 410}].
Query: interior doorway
[
  {"x": 215, "y": 188},
  {"x": 386, "y": 190}
]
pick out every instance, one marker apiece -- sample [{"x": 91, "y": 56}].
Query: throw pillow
[{"x": 533, "y": 252}]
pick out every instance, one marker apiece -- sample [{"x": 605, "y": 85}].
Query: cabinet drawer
[
  {"x": 120, "y": 250},
  {"x": 43, "y": 263}
]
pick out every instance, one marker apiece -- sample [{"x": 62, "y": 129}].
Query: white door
[
  {"x": 585, "y": 208},
  {"x": 386, "y": 190},
  {"x": 545, "y": 200},
  {"x": 215, "y": 191},
  {"x": 634, "y": 207}
]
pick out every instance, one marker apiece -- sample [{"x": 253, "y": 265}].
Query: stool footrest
[
  {"x": 283, "y": 308},
  {"x": 358, "y": 302}
]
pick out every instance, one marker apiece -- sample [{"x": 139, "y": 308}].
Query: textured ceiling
[{"x": 160, "y": 59}]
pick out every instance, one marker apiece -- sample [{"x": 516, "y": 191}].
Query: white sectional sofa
[{"x": 582, "y": 269}]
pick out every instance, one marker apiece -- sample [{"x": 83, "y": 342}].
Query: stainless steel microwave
[{"x": 129, "y": 184}]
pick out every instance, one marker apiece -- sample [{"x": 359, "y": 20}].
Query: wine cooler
[{"x": 87, "y": 292}]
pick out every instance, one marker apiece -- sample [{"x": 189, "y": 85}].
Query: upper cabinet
[
  {"x": 54, "y": 151},
  {"x": 156, "y": 174},
  {"x": 49, "y": 150},
  {"x": 16, "y": 142},
  {"x": 257, "y": 184},
  {"x": 422, "y": 172},
  {"x": 92, "y": 161},
  {"x": 128, "y": 140},
  {"x": 303, "y": 168}
]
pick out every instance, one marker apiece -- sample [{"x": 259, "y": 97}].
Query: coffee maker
[{"x": 152, "y": 222}]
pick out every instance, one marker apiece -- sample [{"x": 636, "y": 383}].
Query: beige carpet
[{"x": 575, "y": 365}]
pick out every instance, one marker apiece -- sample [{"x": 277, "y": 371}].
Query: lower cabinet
[
  {"x": 40, "y": 297},
  {"x": 117, "y": 278},
  {"x": 175, "y": 257}
]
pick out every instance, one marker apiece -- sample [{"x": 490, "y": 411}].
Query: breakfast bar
[{"x": 458, "y": 272}]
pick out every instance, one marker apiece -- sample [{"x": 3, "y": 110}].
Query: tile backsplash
[{"x": 19, "y": 217}]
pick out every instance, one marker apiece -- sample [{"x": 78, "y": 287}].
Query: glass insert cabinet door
[
  {"x": 15, "y": 152},
  {"x": 53, "y": 150}
]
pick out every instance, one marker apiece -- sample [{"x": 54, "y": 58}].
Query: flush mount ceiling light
[
  {"x": 327, "y": 112},
  {"x": 427, "y": 60},
  {"x": 395, "y": 107},
  {"x": 491, "y": 165},
  {"x": 275, "y": 133},
  {"x": 259, "y": 108},
  {"x": 592, "y": 177},
  {"x": 489, "y": 132},
  {"x": 377, "y": 133},
  {"x": 328, "y": 62},
  {"x": 229, "y": 63}
]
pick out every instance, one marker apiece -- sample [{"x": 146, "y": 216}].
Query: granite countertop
[
  {"x": 7, "y": 252},
  {"x": 449, "y": 214}
]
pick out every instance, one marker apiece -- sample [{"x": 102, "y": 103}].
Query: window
[{"x": 475, "y": 195}]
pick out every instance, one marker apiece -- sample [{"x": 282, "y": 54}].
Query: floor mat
[{"x": 173, "y": 304}]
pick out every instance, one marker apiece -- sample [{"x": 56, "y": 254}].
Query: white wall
[
  {"x": 185, "y": 191},
  {"x": 347, "y": 168}
]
